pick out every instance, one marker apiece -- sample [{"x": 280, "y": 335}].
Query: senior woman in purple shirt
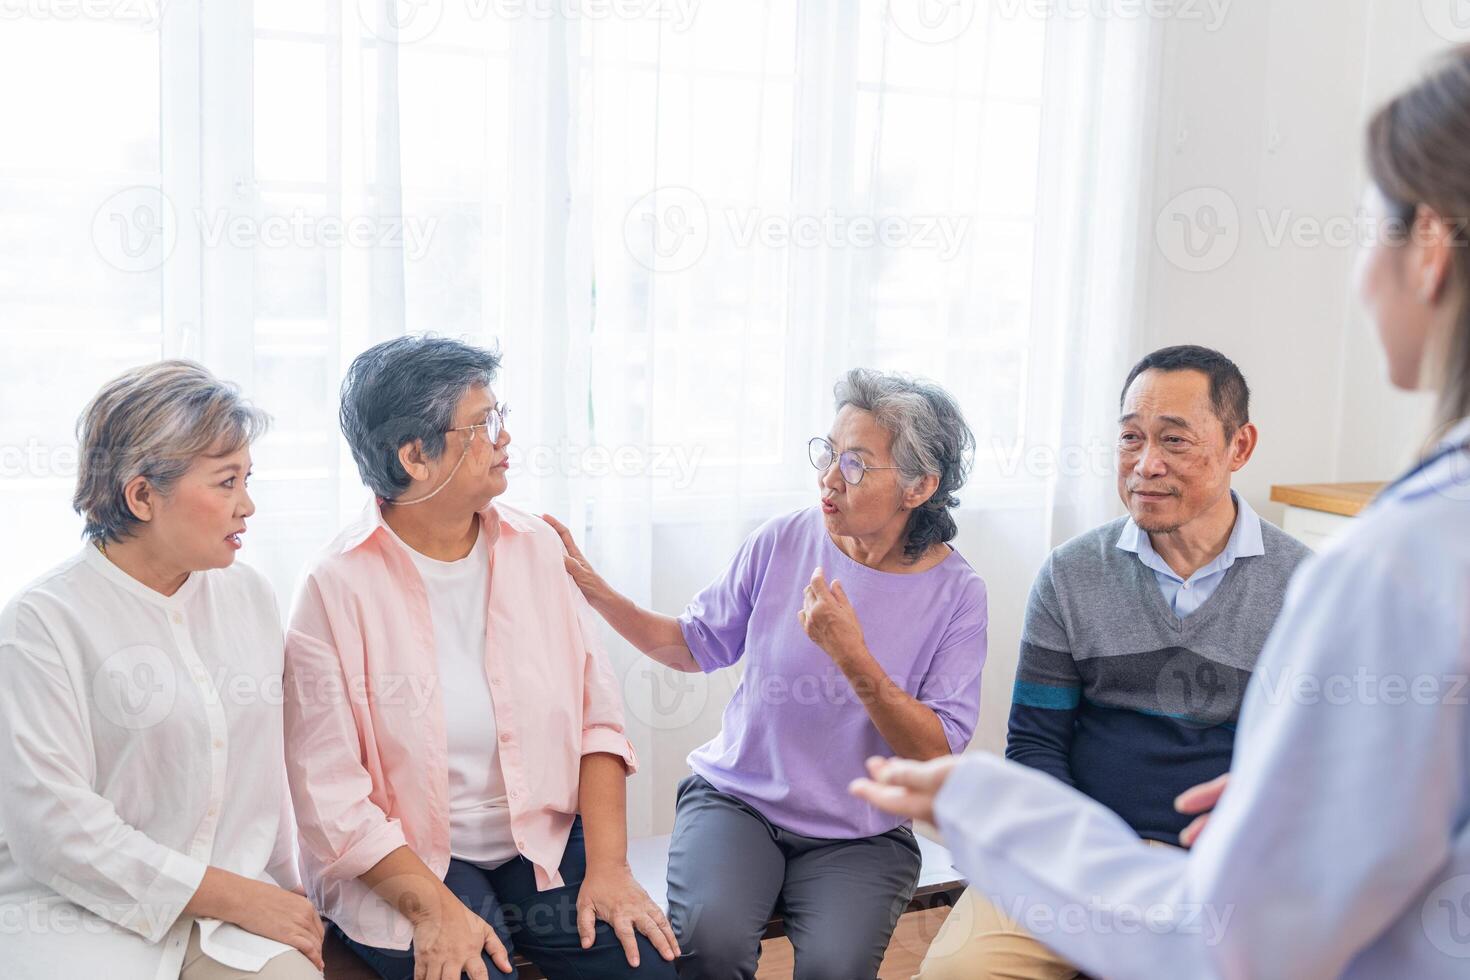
[{"x": 862, "y": 633}]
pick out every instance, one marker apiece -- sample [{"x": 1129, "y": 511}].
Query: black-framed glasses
[
  {"x": 493, "y": 425},
  {"x": 849, "y": 463}
]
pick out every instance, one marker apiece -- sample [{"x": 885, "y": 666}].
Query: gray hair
[
  {"x": 930, "y": 436},
  {"x": 153, "y": 422},
  {"x": 406, "y": 390}
]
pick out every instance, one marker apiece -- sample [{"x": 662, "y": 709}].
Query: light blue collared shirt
[
  {"x": 1184, "y": 596},
  {"x": 1342, "y": 846}
]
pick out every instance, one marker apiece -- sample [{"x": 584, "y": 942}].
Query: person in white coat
[
  {"x": 145, "y": 830},
  {"x": 1341, "y": 843}
]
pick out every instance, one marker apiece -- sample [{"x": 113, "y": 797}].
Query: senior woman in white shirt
[{"x": 144, "y": 826}]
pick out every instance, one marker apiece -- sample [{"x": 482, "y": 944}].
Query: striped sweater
[{"x": 1121, "y": 698}]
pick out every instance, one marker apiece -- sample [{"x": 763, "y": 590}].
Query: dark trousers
[
  {"x": 730, "y": 869},
  {"x": 541, "y": 925}
]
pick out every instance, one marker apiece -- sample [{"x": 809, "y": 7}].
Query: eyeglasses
[
  {"x": 493, "y": 425},
  {"x": 849, "y": 464}
]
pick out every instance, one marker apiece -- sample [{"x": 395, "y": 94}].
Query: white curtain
[{"x": 680, "y": 220}]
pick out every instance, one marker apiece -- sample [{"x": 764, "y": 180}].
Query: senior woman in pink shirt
[{"x": 451, "y": 720}]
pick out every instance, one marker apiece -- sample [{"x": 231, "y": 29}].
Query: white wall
[
  {"x": 1378, "y": 423},
  {"x": 1270, "y": 109}
]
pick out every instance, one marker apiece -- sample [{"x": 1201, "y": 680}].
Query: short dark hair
[
  {"x": 1229, "y": 394},
  {"x": 404, "y": 390}
]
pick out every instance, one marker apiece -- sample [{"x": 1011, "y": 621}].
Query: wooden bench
[{"x": 940, "y": 884}]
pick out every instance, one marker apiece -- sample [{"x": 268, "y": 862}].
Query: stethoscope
[{"x": 1424, "y": 464}]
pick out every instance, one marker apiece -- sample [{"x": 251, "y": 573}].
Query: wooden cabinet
[{"x": 1316, "y": 512}]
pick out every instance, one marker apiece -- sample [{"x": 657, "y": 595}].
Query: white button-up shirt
[
  {"x": 1342, "y": 846},
  {"x": 1185, "y": 596},
  {"x": 140, "y": 742}
]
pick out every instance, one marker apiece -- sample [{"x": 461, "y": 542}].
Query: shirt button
[
  {"x": 219, "y": 743},
  {"x": 520, "y": 845},
  {"x": 178, "y": 618},
  {"x": 505, "y": 736}
]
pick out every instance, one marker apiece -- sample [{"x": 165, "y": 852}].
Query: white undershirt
[{"x": 479, "y": 814}]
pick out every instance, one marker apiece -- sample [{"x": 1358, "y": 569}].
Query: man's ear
[
  {"x": 1243, "y": 445},
  {"x": 411, "y": 457}
]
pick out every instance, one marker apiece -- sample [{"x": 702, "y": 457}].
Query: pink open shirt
[{"x": 365, "y": 743}]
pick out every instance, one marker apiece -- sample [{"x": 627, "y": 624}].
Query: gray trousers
[{"x": 730, "y": 870}]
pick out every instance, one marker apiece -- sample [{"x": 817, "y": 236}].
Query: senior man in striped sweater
[{"x": 1140, "y": 636}]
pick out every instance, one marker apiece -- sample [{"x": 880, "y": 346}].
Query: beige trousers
[
  {"x": 980, "y": 942},
  {"x": 287, "y": 966}
]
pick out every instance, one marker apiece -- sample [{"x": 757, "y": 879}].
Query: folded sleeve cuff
[
  {"x": 162, "y": 904},
  {"x": 612, "y": 742},
  {"x": 697, "y": 640},
  {"x": 367, "y": 852}
]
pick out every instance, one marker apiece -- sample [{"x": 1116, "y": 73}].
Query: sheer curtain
[{"x": 679, "y": 220}]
